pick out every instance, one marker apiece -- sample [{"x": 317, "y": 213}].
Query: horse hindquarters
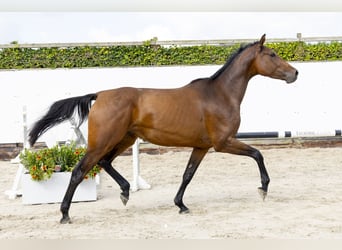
[{"x": 108, "y": 123}]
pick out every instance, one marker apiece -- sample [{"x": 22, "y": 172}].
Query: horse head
[{"x": 268, "y": 63}]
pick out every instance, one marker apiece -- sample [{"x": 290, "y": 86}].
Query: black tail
[{"x": 61, "y": 111}]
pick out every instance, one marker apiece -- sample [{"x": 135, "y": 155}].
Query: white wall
[{"x": 311, "y": 103}]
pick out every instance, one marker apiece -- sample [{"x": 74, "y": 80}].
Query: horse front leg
[
  {"x": 194, "y": 161},
  {"x": 236, "y": 147}
]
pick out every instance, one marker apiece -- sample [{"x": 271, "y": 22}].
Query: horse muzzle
[{"x": 291, "y": 77}]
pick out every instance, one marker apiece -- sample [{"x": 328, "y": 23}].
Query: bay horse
[{"x": 203, "y": 114}]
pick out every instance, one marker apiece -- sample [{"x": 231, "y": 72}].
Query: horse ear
[{"x": 262, "y": 39}]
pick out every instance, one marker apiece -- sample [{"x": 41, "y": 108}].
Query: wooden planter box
[{"x": 53, "y": 189}]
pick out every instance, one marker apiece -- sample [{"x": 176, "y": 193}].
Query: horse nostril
[{"x": 296, "y": 72}]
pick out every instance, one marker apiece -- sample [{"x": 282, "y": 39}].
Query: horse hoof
[
  {"x": 262, "y": 193},
  {"x": 184, "y": 211},
  {"x": 124, "y": 199},
  {"x": 65, "y": 220}
]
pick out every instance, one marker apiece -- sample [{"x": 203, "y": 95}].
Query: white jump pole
[
  {"x": 138, "y": 183},
  {"x": 289, "y": 134},
  {"x": 14, "y": 192}
]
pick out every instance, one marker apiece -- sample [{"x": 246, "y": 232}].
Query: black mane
[{"x": 231, "y": 59}]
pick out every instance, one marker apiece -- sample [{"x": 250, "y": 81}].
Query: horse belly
[
  {"x": 176, "y": 139},
  {"x": 168, "y": 130}
]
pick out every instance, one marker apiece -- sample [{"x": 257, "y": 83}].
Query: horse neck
[{"x": 233, "y": 81}]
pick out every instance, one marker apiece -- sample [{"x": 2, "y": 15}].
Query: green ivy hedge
[{"x": 153, "y": 55}]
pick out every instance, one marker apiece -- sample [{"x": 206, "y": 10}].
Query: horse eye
[{"x": 273, "y": 54}]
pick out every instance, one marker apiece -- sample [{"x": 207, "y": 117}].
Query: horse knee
[
  {"x": 256, "y": 154},
  {"x": 258, "y": 157}
]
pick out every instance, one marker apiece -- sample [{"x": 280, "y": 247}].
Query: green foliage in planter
[
  {"x": 154, "y": 55},
  {"x": 42, "y": 164}
]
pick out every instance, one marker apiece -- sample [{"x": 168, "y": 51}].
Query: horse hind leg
[
  {"x": 77, "y": 176},
  {"x": 127, "y": 141},
  {"x": 123, "y": 183},
  {"x": 90, "y": 159}
]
